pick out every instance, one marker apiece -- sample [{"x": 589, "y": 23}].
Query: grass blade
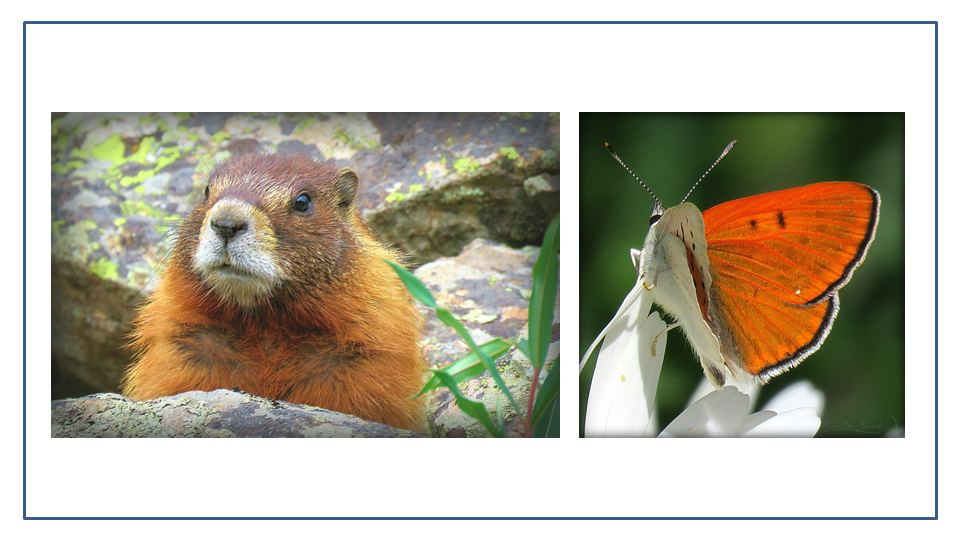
[{"x": 543, "y": 298}]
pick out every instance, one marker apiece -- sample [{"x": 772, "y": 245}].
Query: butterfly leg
[{"x": 653, "y": 346}]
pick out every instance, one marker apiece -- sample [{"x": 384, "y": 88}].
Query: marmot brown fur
[{"x": 276, "y": 286}]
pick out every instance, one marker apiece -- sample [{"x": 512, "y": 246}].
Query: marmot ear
[{"x": 345, "y": 187}]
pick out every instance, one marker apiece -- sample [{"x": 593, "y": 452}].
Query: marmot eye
[
  {"x": 302, "y": 204},
  {"x": 206, "y": 193}
]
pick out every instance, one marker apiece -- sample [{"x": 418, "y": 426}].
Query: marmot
[{"x": 276, "y": 286}]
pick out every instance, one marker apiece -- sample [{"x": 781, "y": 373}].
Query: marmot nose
[{"x": 228, "y": 228}]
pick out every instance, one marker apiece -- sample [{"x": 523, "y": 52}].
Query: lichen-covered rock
[{"x": 221, "y": 413}]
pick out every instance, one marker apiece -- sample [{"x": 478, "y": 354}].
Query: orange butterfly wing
[{"x": 777, "y": 261}]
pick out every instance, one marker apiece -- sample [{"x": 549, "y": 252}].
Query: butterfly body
[
  {"x": 676, "y": 269},
  {"x": 753, "y": 282}
]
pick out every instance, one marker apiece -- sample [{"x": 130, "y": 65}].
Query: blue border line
[
  {"x": 25, "y": 270},
  {"x": 482, "y": 22},
  {"x": 936, "y": 235},
  {"x": 936, "y": 270}
]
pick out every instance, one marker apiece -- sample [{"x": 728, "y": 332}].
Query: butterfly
[{"x": 753, "y": 282}]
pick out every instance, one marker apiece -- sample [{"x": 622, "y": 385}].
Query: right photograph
[{"x": 714, "y": 252}]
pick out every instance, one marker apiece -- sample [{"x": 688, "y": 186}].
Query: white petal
[
  {"x": 630, "y": 303},
  {"x": 718, "y": 414},
  {"x": 797, "y": 395},
  {"x": 755, "y": 420},
  {"x": 624, "y": 382},
  {"x": 745, "y": 387},
  {"x": 653, "y": 331},
  {"x": 802, "y": 422}
]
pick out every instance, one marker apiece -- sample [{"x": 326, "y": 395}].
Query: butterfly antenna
[
  {"x": 620, "y": 161},
  {"x": 697, "y": 183}
]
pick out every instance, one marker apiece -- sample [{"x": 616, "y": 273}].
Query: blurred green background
[{"x": 860, "y": 366}]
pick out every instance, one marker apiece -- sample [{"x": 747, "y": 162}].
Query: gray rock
[{"x": 221, "y": 413}]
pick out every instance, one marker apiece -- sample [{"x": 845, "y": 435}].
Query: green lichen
[
  {"x": 467, "y": 165},
  {"x": 104, "y": 268},
  {"x": 219, "y": 137},
  {"x": 128, "y": 181},
  {"x": 395, "y": 197},
  {"x": 167, "y": 156},
  {"x": 142, "y": 151},
  {"x": 55, "y": 226},
  {"x": 109, "y": 150},
  {"x": 59, "y": 168},
  {"x": 120, "y": 221},
  {"x": 415, "y": 188},
  {"x": 303, "y": 124},
  {"x": 461, "y": 193},
  {"x": 183, "y": 115},
  {"x": 523, "y": 130},
  {"x": 509, "y": 152},
  {"x": 131, "y": 208}
]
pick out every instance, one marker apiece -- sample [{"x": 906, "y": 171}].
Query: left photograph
[{"x": 305, "y": 274}]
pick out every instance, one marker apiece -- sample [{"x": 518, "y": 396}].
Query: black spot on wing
[{"x": 780, "y": 221}]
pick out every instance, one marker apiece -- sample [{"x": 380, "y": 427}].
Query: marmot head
[{"x": 271, "y": 228}]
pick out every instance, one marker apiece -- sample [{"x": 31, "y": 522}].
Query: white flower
[{"x": 794, "y": 412}]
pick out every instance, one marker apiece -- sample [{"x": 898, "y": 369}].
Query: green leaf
[
  {"x": 448, "y": 319},
  {"x": 416, "y": 288},
  {"x": 549, "y": 426},
  {"x": 546, "y": 276},
  {"x": 469, "y": 366},
  {"x": 472, "y": 408},
  {"x": 524, "y": 347},
  {"x": 548, "y": 393}
]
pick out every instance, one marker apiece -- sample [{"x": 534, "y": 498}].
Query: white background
[{"x": 479, "y": 68}]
